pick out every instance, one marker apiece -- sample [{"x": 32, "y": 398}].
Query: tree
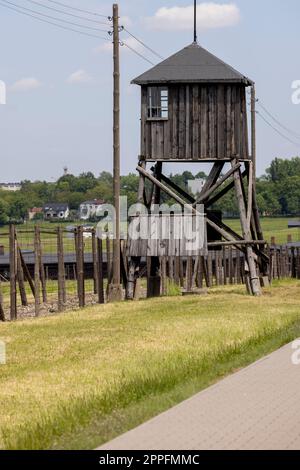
[
  {"x": 18, "y": 209},
  {"x": 129, "y": 187},
  {"x": 3, "y": 212}
]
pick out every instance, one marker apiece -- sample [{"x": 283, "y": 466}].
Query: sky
[{"x": 58, "y": 108}]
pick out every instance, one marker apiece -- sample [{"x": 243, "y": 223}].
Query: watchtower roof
[{"x": 193, "y": 64}]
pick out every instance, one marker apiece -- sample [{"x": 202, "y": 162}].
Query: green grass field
[
  {"x": 272, "y": 227},
  {"x": 78, "y": 379}
]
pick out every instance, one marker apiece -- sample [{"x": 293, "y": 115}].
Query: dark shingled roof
[
  {"x": 57, "y": 207},
  {"x": 193, "y": 64}
]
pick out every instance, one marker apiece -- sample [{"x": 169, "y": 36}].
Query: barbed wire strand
[
  {"x": 297, "y": 144},
  {"x": 293, "y": 133},
  {"x": 142, "y": 43}
]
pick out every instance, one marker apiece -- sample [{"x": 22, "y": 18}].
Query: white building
[
  {"x": 88, "y": 209},
  {"x": 10, "y": 186},
  {"x": 56, "y": 211},
  {"x": 196, "y": 186}
]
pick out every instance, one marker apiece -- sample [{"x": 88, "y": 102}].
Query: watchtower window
[{"x": 158, "y": 103}]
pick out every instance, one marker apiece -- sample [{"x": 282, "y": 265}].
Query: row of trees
[{"x": 278, "y": 191}]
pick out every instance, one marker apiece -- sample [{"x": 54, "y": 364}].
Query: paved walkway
[{"x": 255, "y": 408}]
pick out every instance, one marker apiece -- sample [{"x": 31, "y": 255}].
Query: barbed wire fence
[{"x": 45, "y": 271}]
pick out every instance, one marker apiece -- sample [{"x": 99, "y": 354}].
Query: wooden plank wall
[{"x": 205, "y": 122}]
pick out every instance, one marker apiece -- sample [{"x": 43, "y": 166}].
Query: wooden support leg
[
  {"x": 254, "y": 280},
  {"x": 42, "y": 274},
  {"x": 135, "y": 262},
  {"x": 2, "y": 315},
  {"x": 154, "y": 280},
  {"x": 254, "y": 221},
  {"x": 13, "y": 273},
  {"x": 100, "y": 277},
  {"x": 95, "y": 266},
  {"x": 37, "y": 271}
]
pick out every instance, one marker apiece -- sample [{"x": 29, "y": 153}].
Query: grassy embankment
[{"x": 78, "y": 379}]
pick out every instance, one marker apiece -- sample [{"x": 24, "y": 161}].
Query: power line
[
  {"x": 143, "y": 44},
  {"x": 122, "y": 43},
  {"x": 55, "y": 18},
  {"x": 293, "y": 133},
  {"x": 57, "y": 10},
  {"x": 52, "y": 23},
  {"x": 32, "y": 14},
  {"x": 297, "y": 144},
  {"x": 79, "y": 9}
]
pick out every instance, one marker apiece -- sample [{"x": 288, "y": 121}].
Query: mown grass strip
[{"x": 79, "y": 379}]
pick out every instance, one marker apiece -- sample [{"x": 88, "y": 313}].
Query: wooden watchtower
[{"x": 194, "y": 109}]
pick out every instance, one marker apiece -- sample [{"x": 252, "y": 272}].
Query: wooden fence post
[
  {"x": 109, "y": 261},
  {"x": 225, "y": 265},
  {"x": 199, "y": 279},
  {"x": 12, "y": 273},
  {"x": 2, "y": 314},
  {"x": 177, "y": 270},
  {"x": 61, "y": 271},
  {"x": 230, "y": 262},
  {"x": 163, "y": 275},
  {"x": 37, "y": 270},
  {"x": 95, "y": 264},
  {"x": 42, "y": 271},
  {"x": 100, "y": 277},
  {"x": 80, "y": 266},
  {"x": 209, "y": 269},
  {"x": 20, "y": 277}
]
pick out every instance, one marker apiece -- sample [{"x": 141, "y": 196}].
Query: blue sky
[{"x": 59, "y": 97}]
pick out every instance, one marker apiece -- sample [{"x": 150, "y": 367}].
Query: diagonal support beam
[
  {"x": 180, "y": 201},
  {"x": 222, "y": 193},
  {"x": 213, "y": 176},
  {"x": 254, "y": 280},
  {"x": 176, "y": 188},
  {"x": 219, "y": 183}
]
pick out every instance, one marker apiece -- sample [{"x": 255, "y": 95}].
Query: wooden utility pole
[
  {"x": 115, "y": 291},
  {"x": 253, "y": 131},
  {"x": 37, "y": 270},
  {"x": 195, "y": 21},
  {"x": 13, "y": 272}
]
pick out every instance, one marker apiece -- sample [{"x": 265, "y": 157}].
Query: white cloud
[
  {"x": 26, "y": 84},
  {"x": 125, "y": 21},
  {"x": 80, "y": 76},
  {"x": 209, "y": 15},
  {"x": 105, "y": 47}
]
